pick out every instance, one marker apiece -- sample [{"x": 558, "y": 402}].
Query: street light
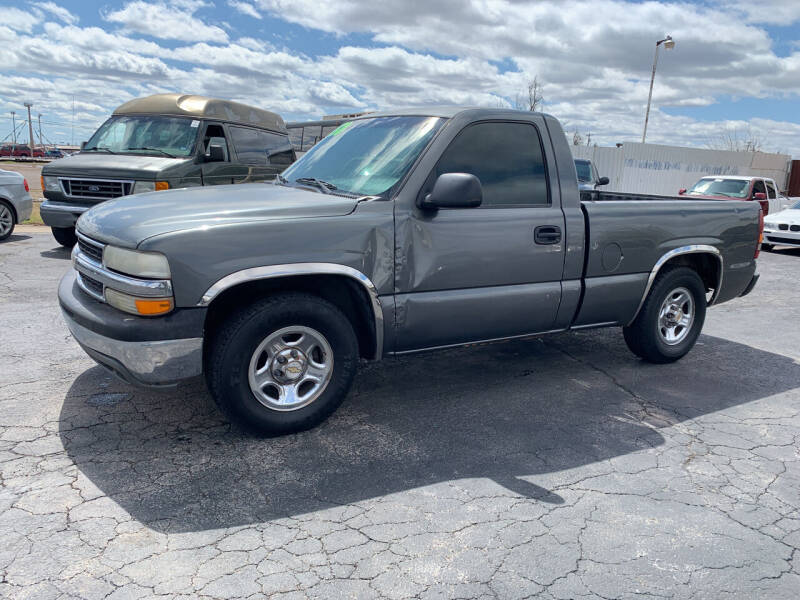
[{"x": 669, "y": 44}]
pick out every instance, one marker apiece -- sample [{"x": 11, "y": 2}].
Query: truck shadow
[{"x": 506, "y": 412}]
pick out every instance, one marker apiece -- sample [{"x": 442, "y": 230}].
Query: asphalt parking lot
[{"x": 560, "y": 467}]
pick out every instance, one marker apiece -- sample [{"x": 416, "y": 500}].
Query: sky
[{"x": 734, "y": 71}]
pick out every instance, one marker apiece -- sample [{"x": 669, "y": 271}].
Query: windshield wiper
[
  {"x": 97, "y": 148},
  {"x": 153, "y": 149},
  {"x": 324, "y": 186}
]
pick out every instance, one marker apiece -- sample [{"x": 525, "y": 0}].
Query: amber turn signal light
[{"x": 154, "y": 307}]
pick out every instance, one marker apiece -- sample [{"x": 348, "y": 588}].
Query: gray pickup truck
[{"x": 399, "y": 232}]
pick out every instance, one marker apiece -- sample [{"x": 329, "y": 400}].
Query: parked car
[
  {"x": 20, "y": 151},
  {"x": 164, "y": 142},
  {"x": 468, "y": 227},
  {"x": 760, "y": 189},
  {"x": 54, "y": 153},
  {"x": 15, "y": 202},
  {"x": 782, "y": 228},
  {"x": 588, "y": 179}
]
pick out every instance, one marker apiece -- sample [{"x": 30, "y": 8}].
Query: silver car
[{"x": 15, "y": 202}]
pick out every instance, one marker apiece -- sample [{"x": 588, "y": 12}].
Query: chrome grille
[
  {"x": 795, "y": 228},
  {"x": 783, "y": 226},
  {"x": 91, "y": 248},
  {"x": 95, "y": 189}
]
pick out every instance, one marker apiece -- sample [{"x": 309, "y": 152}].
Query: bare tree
[
  {"x": 577, "y": 140},
  {"x": 531, "y": 99},
  {"x": 737, "y": 140}
]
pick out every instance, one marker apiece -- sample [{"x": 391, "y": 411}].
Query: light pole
[
  {"x": 669, "y": 44},
  {"x": 30, "y": 126}
]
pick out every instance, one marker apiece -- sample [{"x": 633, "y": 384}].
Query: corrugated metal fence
[{"x": 656, "y": 169}]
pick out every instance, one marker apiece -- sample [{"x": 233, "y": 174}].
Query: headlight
[
  {"x": 140, "y": 187},
  {"x": 50, "y": 183},
  {"x": 149, "y": 307},
  {"x": 133, "y": 262},
  {"x": 770, "y": 226}
]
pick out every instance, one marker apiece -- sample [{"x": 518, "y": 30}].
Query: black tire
[
  {"x": 235, "y": 340},
  {"x": 644, "y": 337},
  {"x": 767, "y": 247},
  {"x": 65, "y": 236},
  {"x": 8, "y": 220}
]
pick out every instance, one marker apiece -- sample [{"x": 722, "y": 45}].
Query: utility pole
[
  {"x": 669, "y": 44},
  {"x": 41, "y": 141},
  {"x": 30, "y": 126},
  {"x": 72, "y": 133},
  {"x": 14, "y": 126}
]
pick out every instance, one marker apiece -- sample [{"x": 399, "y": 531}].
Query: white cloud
[
  {"x": 19, "y": 20},
  {"x": 173, "y": 21},
  {"x": 58, "y": 11},
  {"x": 244, "y": 8},
  {"x": 595, "y": 70}
]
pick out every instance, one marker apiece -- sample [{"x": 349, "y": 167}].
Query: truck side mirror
[
  {"x": 681, "y": 191},
  {"x": 602, "y": 181},
  {"x": 759, "y": 196},
  {"x": 454, "y": 190},
  {"x": 215, "y": 153}
]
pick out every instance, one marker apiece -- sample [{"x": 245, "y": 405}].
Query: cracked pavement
[{"x": 559, "y": 467}]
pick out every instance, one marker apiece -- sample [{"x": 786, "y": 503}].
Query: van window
[
  {"x": 506, "y": 158},
  {"x": 254, "y": 147}
]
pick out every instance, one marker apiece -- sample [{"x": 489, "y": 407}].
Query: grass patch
[{"x": 36, "y": 218}]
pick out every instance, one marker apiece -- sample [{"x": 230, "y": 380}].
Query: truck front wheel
[
  {"x": 65, "y": 236},
  {"x": 671, "y": 317},
  {"x": 282, "y": 364}
]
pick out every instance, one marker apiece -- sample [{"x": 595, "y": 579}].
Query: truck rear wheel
[
  {"x": 283, "y": 364},
  {"x": 671, "y": 317},
  {"x": 65, "y": 236}
]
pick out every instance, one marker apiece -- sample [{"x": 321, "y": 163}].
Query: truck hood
[
  {"x": 112, "y": 166},
  {"x": 129, "y": 220}
]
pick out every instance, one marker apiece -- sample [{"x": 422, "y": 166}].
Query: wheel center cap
[{"x": 289, "y": 365}]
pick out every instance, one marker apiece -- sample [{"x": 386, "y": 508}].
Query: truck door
[{"x": 494, "y": 271}]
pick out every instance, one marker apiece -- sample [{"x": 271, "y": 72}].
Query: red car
[
  {"x": 729, "y": 187},
  {"x": 20, "y": 151}
]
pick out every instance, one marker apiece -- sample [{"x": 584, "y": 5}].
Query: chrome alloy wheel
[
  {"x": 6, "y": 220},
  {"x": 290, "y": 368},
  {"x": 676, "y": 316}
]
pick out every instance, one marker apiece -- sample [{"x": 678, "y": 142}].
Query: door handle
[{"x": 547, "y": 234}]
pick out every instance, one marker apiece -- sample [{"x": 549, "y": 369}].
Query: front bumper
[
  {"x": 151, "y": 352},
  {"x": 61, "y": 214},
  {"x": 782, "y": 238}
]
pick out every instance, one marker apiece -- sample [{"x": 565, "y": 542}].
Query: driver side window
[
  {"x": 758, "y": 187},
  {"x": 215, "y": 135}
]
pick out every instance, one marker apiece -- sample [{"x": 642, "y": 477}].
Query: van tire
[
  {"x": 234, "y": 351},
  {"x": 65, "y": 236},
  {"x": 648, "y": 335}
]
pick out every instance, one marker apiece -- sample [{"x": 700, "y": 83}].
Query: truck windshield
[
  {"x": 155, "y": 135},
  {"x": 711, "y": 186},
  {"x": 366, "y": 157},
  {"x": 584, "y": 171}
]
